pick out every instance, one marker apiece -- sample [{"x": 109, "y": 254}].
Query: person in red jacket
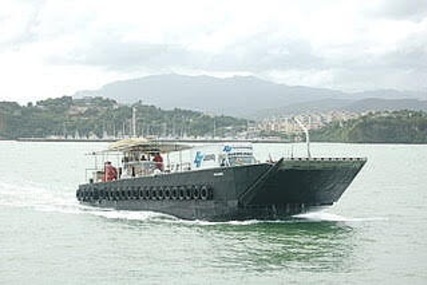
[
  {"x": 110, "y": 172},
  {"x": 158, "y": 159}
]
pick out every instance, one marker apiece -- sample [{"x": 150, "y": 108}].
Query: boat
[{"x": 222, "y": 183}]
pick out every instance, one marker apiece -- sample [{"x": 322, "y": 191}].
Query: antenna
[
  {"x": 292, "y": 151},
  {"x": 307, "y": 137},
  {"x": 134, "y": 122},
  {"x": 214, "y": 128}
]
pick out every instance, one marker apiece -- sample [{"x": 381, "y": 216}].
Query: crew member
[
  {"x": 110, "y": 172},
  {"x": 158, "y": 159}
]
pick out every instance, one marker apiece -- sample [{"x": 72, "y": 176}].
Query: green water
[{"x": 376, "y": 234}]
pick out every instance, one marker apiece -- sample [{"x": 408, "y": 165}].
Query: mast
[
  {"x": 214, "y": 128},
  {"x": 134, "y": 122},
  {"x": 307, "y": 137}
]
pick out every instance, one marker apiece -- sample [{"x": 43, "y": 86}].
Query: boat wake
[
  {"x": 29, "y": 195},
  {"x": 125, "y": 215},
  {"x": 323, "y": 216},
  {"x": 39, "y": 197},
  {"x": 164, "y": 218}
]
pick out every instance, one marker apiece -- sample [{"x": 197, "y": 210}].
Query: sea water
[{"x": 376, "y": 233}]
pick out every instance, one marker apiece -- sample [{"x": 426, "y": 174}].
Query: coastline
[{"x": 183, "y": 140}]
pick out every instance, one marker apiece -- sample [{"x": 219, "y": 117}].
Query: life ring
[
  {"x": 174, "y": 193},
  {"x": 135, "y": 192},
  {"x": 167, "y": 193},
  {"x": 147, "y": 195},
  {"x": 101, "y": 194},
  {"x": 123, "y": 194},
  {"x": 205, "y": 192},
  {"x": 188, "y": 192},
  {"x": 196, "y": 192},
  {"x": 95, "y": 193},
  {"x": 160, "y": 193},
  {"x": 89, "y": 195},
  {"x": 85, "y": 194},
  {"x": 181, "y": 193},
  {"x": 141, "y": 192},
  {"x": 153, "y": 193}
]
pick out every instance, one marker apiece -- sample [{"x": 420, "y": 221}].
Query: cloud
[
  {"x": 414, "y": 10},
  {"x": 17, "y": 19},
  {"x": 350, "y": 45}
]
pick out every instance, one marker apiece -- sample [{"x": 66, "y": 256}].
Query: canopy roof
[{"x": 146, "y": 145}]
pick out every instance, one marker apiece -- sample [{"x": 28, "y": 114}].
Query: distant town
[{"x": 288, "y": 126}]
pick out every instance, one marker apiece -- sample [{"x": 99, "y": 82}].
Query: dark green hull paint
[{"x": 262, "y": 191}]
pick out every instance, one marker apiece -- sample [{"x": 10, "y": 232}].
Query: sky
[{"x": 51, "y": 48}]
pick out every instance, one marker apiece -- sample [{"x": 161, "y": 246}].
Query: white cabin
[{"x": 225, "y": 155}]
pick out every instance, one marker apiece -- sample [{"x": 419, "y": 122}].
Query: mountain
[
  {"x": 355, "y": 106},
  {"x": 237, "y": 96},
  {"x": 375, "y": 104}
]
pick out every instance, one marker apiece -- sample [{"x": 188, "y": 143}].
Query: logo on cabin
[
  {"x": 227, "y": 148},
  {"x": 198, "y": 159},
  {"x": 209, "y": 157}
]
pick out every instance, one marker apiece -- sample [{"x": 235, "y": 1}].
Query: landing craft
[{"x": 223, "y": 184}]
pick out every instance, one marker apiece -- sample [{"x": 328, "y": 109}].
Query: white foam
[
  {"x": 126, "y": 215},
  {"x": 37, "y": 197},
  {"x": 155, "y": 217},
  {"x": 329, "y": 217},
  {"x": 208, "y": 223}
]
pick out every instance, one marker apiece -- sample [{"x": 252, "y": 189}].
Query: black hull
[{"x": 263, "y": 191}]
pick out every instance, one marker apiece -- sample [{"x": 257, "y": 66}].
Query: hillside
[
  {"x": 98, "y": 117},
  {"x": 383, "y": 127}
]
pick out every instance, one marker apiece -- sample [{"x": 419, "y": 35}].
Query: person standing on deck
[
  {"x": 110, "y": 172},
  {"x": 158, "y": 159}
]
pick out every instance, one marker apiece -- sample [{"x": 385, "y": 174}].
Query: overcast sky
[{"x": 54, "y": 48}]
